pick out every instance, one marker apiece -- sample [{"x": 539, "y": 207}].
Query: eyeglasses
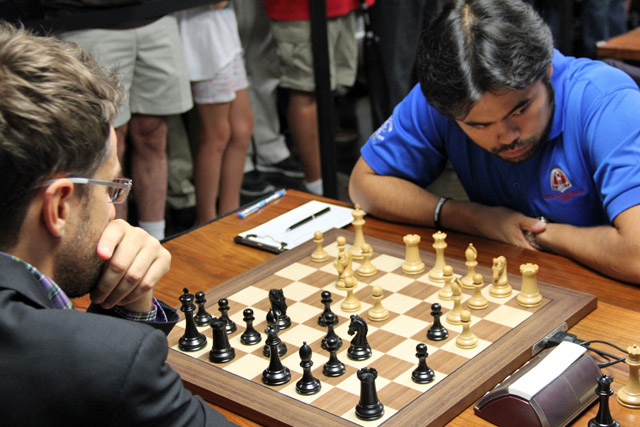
[{"x": 118, "y": 188}]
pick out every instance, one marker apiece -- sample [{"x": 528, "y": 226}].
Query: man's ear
[
  {"x": 56, "y": 206},
  {"x": 550, "y": 70}
]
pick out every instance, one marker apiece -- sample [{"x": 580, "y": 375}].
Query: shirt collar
[{"x": 56, "y": 295}]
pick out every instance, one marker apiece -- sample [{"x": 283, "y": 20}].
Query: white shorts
[{"x": 223, "y": 87}]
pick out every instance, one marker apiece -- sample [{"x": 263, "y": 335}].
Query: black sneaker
[
  {"x": 254, "y": 185},
  {"x": 289, "y": 167}
]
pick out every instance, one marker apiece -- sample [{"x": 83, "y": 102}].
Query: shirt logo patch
[
  {"x": 385, "y": 128},
  {"x": 559, "y": 180}
]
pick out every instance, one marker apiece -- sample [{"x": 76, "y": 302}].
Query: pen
[
  {"x": 309, "y": 218},
  {"x": 251, "y": 209}
]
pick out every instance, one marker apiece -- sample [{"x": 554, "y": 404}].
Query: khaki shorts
[
  {"x": 293, "y": 39},
  {"x": 149, "y": 62},
  {"x": 224, "y": 85}
]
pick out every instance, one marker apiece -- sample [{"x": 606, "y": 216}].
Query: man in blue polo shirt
[{"x": 547, "y": 147}]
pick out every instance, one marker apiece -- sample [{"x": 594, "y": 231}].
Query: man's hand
[
  {"x": 135, "y": 263},
  {"x": 506, "y": 225}
]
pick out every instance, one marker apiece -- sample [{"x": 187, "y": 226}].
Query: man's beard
[
  {"x": 533, "y": 141},
  {"x": 77, "y": 266}
]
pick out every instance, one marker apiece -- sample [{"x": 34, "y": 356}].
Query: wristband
[{"x": 437, "y": 211}]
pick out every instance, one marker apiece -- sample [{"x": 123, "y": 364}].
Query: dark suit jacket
[{"x": 65, "y": 367}]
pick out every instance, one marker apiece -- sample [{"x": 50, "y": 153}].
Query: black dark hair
[{"x": 480, "y": 46}]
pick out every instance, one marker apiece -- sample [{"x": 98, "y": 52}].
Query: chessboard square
[
  {"x": 301, "y": 312},
  {"x": 400, "y": 303},
  {"x": 482, "y": 313},
  {"x": 248, "y": 366},
  {"x": 489, "y": 331},
  {"x": 272, "y": 282},
  {"x": 332, "y": 249},
  {"x": 406, "y": 350},
  {"x": 392, "y": 282},
  {"x": 320, "y": 279},
  {"x": 330, "y": 269},
  {"x": 390, "y": 367},
  {"x": 383, "y": 341},
  {"x": 337, "y": 401},
  {"x": 508, "y": 316},
  {"x": 404, "y": 325},
  {"x": 446, "y": 361},
  {"x": 420, "y": 311},
  {"x": 466, "y": 352},
  {"x": 301, "y": 333},
  {"x": 351, "y": 416},
  {"x": 397, "y": 396},
  {"x": 405, "y": 379},
  {"x": 298, "y": 291},
  {"x": 387, "y": 263},
  {"x": 295, "y": 271},
  {"x": 248, "y": 296},
  {"x": 313, "y": 264},
  {"x": 433, "y": 298},
  {"x": 290, "y": 390},
  {"x": 420, "y": 290}
]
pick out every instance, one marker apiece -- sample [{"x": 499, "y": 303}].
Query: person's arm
[
  {"x": 135, "y": 263},
  {"x": 399, "y": 200},
  {"x": 611, "y": 250}
]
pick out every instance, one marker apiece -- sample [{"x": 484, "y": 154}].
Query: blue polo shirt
[{"x": 586, "y": 173}]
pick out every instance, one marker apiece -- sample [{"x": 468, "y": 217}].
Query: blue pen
[{"x": 251, "y": 209}]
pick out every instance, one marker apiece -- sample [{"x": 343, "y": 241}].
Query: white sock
[
  {"x": 314, "y": 187},
  {"x": 155, "y": 228}
]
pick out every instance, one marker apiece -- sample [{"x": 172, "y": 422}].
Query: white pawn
[
  {"x": 377, "y": 313},
  {"x": 477, "y": 300},
  {"x": 446, "y": 292},
  {"x": 466, "y": 339},
  {"x": 350, "y": 303},
  {"x": 471, "y": 254},
  {"x": 367, "y": 269},
  {"x": 319, "y": 254}
]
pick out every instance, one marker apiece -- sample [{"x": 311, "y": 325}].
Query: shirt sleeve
[{"x": 410, "y": 144}]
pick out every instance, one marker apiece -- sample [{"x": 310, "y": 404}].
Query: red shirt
[{"x": 298, "y": 10}]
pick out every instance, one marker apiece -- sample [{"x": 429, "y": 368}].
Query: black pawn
[
  {"x": 603, "y": 418},
  {"x": 221, "y": 352},
  {"x": 326, "y": 301},
  {"x": 192, "y": 340},
  {"x": 369, "y": 408},
  {"x": 307, "y": 385},
  {"x": 437, "y": 332},
  {"x": 272, "y": 320},
  {"x": 276, "y": 373},
  {"x": 202, "y": 318},
  {"x": 333, "y": 367},
  {"x": 223, "y": 307},
  {"x": 422, "y": 374},
  {"x": 250, "y": 336},
  {"x": 331, "y": 320}
]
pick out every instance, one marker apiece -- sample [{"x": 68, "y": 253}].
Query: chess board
[{"x": 507, "y": 334}]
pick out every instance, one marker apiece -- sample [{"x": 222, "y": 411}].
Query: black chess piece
[
  {"x": 369, "y": 408},
  {"x": 307, "y": 385},
  {"x": 229, "y": 325},
  {"x": 192, "y": 340},
  {"x": 603, "y": 418},
  {"x": 326, "y": 301},
  {"x": 272, "y": 320},
  {"x": 333, "y": 367},
  {"x": 221, "y": 352},
  {"x": 250, "y": 336},
  {"x": 437, "y": 332},
  {"x": 359, "y": 348},
  {"x": 331, "y": 320},
  {"x": 422, "y": 374},
  {"x": 202, "y": 318},
  {"x": 279, "y": 305},
  {"x": 276, "y": 373}
]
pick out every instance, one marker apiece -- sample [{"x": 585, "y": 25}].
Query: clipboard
[{"x": 273, "y": 236}]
